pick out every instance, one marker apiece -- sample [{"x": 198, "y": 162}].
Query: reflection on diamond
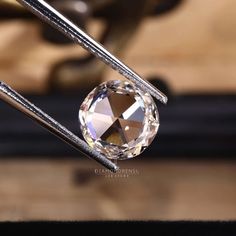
[{"x": 118, "y": 119}]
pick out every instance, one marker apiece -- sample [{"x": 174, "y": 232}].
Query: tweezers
[{"x": 47, "y": 13}]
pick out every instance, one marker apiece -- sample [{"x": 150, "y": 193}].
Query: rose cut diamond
[{"x": 118, "y": 119}]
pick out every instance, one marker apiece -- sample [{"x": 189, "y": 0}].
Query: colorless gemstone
[{"x": 118, "y": 119}]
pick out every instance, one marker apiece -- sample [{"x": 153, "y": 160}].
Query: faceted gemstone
[{"x": 118, "y": 119}]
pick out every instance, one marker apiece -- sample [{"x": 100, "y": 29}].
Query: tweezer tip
[
  {"x": 114, "y": 168},
  {"x": 165, "y": 99}
]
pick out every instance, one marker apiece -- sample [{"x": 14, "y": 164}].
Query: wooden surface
[
  {"x": 193, "y": 48},
  {"x": 73, "y": 190}
]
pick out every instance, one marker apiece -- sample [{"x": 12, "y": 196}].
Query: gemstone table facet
[{"x": 118, "y": 119}]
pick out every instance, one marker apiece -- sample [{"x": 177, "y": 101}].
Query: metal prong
[
  {"x": 20, "y": 103},
  {"x": 58, "y": 21}
]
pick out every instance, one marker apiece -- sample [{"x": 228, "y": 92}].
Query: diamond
[{"x": 118, "y": 119}]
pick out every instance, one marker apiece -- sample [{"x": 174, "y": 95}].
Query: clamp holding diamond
[{"x": 118, "y": 119}]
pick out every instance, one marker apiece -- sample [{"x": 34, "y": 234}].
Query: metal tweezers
[{"x": 47, "y": 13}]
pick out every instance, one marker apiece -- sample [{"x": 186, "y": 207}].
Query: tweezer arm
[
  {"x": 20, "y": 103},
  {"x": 58, "y": 21}
]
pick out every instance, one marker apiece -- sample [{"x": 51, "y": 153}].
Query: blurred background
[{"x": 185, "y": 47}]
